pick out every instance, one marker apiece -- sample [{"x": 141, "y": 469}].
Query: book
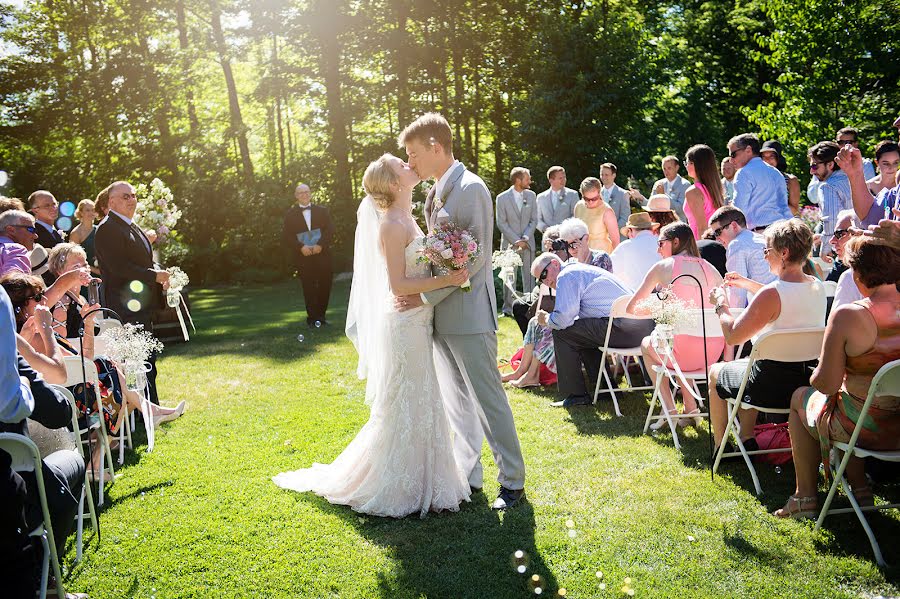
[{"x": 311, "y": 237}]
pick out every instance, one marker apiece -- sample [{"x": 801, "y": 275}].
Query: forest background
[{"x": 233, "y": 102}]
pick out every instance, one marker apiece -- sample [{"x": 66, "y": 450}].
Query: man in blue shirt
[
  {"x": 834, "y": 191},
  {"x": 584, "y": 298},
  {"x": 744, "y": 251},
  {"x": 759, "y": 189}
]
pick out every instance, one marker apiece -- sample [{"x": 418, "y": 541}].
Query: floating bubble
[
  {"x": 561, "y": 592},
  {"x": 67, "y": 208},
  {"x": 133, "y": 305},
  {"x": 64, "y": 223},
  {"x": 300, "y": 338},
  {"x": 537, "y": 584},
  {"x": 136, "y": 286},
  {"x": 691, "y": 538},
  {"x": 573, "y": 533},
  {"x": 777, "y": 469},
  {"x": 570, "y": 524},
  {"x": 599, "y": 574},
  {"x": 4, "y": 178},
  {"x": 318, "y": 324},
  {"x": 519, "y": 561},
  {"x": 602, "y": 586},
  {"x": 627, "y": 581},
  {"x": 242, "y": 345}
]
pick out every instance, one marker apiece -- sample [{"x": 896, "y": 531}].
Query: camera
[
  {"x": 559, "y": 245},
  {"x": 94, "y": 291}
]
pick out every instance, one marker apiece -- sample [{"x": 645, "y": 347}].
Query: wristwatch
[{"x": 720, "y": 308}]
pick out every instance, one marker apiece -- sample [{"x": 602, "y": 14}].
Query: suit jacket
[
  {"x": 51, "y": 408},
  {"x": 676, "y": 194},
  {"x": 45, "y": 237},
  {"x": 620, "y": 202},
  {"x": 547, "y": 216},
  {"x": 123, "y": 258},
  {"x": 468, "y": 204},
  {"x": 514, "y": 224},
  {"x": 294, "y": 223}
]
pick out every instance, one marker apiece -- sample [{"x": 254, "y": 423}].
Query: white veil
[{"x": 370, "y": 296}]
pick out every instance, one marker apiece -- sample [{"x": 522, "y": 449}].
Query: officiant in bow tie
[{"x": 307, "y": 236}]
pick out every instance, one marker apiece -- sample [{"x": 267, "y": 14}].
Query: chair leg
[
  {"x": 653, "y": 401},
  {"x": 732, "y": 417},
  {"x": 611, "y": 392},
  {"x": 625, "y": 361},
  {"x": 737, "y": 438},
  {"x": 876, "y": 549},
  {"x": 837, "y": 476},
  {"x": 45, "y": 566},
  {"x": 79, "y": 526},
  {"x": 123, "y": 426}
]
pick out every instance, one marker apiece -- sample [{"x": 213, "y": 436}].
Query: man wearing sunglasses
[
  {"x": 743, "y": 251},
  {"x": 834, "y": 191},
  {"x": 759, "y": 189},
  {"x": 17, "y": 237}
]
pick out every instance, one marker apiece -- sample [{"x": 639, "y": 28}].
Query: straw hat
[
  {"x": 640, "y": 221},
  {"x": 39, "y": 258},
  {"x": 659, "y": 202}
]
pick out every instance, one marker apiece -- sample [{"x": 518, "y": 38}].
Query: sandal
[
  {"x": 799, "y": 508},
  {"x": 695, "y": 421}
]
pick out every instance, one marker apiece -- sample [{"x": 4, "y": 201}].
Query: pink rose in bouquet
[{"x": 451, "y": 248}]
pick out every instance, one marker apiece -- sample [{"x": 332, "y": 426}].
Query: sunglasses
[
  {"x": 718, "y": 232},
  {"x": 734, "y": 153},
  {"x": 660, "y": 243},
  {"x": 840, "y": 233},
  {"x": 543, "y": 274},
  {"x": 844, "y": 142},
  {"x": 38, "y": 297},
  {"x": 815, "y": 165},
  {"x": 28, "y": 228}
]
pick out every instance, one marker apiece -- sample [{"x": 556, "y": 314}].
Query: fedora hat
[
  {"x": 640, "y": 221},
  {"x": 39, "y": 258},
  {"x": 658, "y": 202}
]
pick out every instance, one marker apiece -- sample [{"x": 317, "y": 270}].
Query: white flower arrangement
[
  {"x": 156, "y": 210},
  {"x": 668, "y": 310},
  {"x": 505, "y": 259},
  {"x": 178, "y": 279},
  {"x": 130, "y": 344}
]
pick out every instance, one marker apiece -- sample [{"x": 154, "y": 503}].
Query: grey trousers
[
  {"x": 580, "y": 345},
  {"x": 477, "y": 407}
]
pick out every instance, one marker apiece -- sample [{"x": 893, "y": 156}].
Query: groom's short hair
[
  {"x": 517, "y": 173},
  {"x": 430, "y": 128}
]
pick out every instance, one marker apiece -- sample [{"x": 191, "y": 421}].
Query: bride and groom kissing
[{"x": 427, "y": 350}]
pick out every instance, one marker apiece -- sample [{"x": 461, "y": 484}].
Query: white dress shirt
[
  {"x": 442, "y": 182},
  {"x": 520, "y": 199},
  {"x": 307, "y": 215},
  {"x": 633, "y": 258},
  {"x": 847, "y": 292}
]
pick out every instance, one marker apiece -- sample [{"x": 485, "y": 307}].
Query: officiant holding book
[{"x": 307, "y": 235}]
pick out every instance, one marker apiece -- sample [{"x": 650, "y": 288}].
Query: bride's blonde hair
[{"x": 377, "y": 182}]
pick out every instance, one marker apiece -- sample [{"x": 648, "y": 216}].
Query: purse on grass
[{"x": 773, "y": 436}]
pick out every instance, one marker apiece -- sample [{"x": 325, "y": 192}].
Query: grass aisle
[{"x": 200, "y": 517}]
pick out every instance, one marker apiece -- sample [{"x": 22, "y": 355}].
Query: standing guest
[
  {"x": 584, "y": 297},
  {"x": 771, "y": 153},
  {"x": 744, "y": 251},
  {"x": 125, "y": 255},
  {"x": 45, "y": 209},
  {"x": 887, "y": 157},
  {"x": 861, "y": 337},
  {"x": 517, "y": 218},
  {"x": 673, "y": 185},
  {"x": 101, "y": 206},
  {"x": 600, "y": 218},
  {"x": 617, "y": 198},
  {"x": 849, "y": 135},
  {"x": 574, "y": 232},
  {"x": 705, "y": 196},
  {"x": 17, "y": 235},
  {"x": 759, "y": 189},
  {"x": 557, "y": 203},
  {"x": 728, "y": 172},
  {"x": 834, "y": 190},
  {"x": 635, "y": 256},
  {"x": 660, "y": 210},
  {"x": 793, "y": 301},
  {"x": 307, "y": 235},
  {"x": 85, "y": 231}
]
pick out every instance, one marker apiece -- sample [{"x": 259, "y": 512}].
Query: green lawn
[{"x": 200, "y": 517}]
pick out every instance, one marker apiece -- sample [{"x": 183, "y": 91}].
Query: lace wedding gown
[{"x": 401, "y": 462}]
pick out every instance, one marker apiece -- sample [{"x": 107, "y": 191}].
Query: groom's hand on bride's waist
[{"x": 407, "y": 302}]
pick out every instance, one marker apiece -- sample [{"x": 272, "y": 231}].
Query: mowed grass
[{"x": 200, "y": 517}]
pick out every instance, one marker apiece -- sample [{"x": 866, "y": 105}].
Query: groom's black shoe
[
  {"x": 573, "y": 400},
  {"x": 507, "y": 498},
  {"x": 473, "y": 490}
]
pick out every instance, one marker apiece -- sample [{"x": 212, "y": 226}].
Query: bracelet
[{"x": 720, "y": 308}]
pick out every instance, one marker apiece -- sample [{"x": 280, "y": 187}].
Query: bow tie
[{"x": 304, "y": 208}]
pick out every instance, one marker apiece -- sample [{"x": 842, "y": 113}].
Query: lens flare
[
  {"x": 64, "y": 223},
  {"x": 133, "y": 305},
  {"x": 536, "y": 582},
  {"x": 519, "y": 561},
  {"x": 300, "y": 338},
  {"x": 136, "y": 286},
  {"x": 67, "y": 208}
]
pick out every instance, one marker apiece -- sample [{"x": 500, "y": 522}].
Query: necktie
[{"x": 140, "y": 234}]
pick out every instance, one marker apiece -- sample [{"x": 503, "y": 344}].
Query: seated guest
[
  {"x": 712, "y": 251},
  {"x": 861, "y": 337},
  {"x": 17, "y": 235},
  {"x": 744, "y": 251},
  {"x": 537, "y": 365},
  {"x": 11, "y": 204},
  {"x": 679, "y": 256},
  {"x": 522, "y": 307},
  {"x": 705, "y": 196},
  {"x": 887, "y": 232},
  {"x": 584, "y": 296},
  {"x": 574, "y": 232},
  {"x": 659, "y": 207},
  {"x": 846, "y": 292},
  {"x": 635, "y": 256},
  {"x": 599, "y": 217},
  {"x": 793, "y": 301}
]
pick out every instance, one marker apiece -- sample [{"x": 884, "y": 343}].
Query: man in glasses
[
  {"x": 834, "y": 191},
  {"x": 759, "y": 189},
  {"x": 850, "y": 136},
  {"x": 17, "y": 235},
  {"x": 45, "y": 209},
  {"x": 743, "y": 250}
]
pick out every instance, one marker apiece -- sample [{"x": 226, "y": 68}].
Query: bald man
[{"x": 307, "y": 236}]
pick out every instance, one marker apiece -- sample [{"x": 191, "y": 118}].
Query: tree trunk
[
  {"x": 278, "y": 125},
  {"x": 238, "y": 129},
  {"x": 193, "y": 123},
  {"x": 401, "y": 64}
]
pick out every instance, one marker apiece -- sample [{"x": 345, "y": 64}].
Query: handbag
[{"x": 773, "y": 436}]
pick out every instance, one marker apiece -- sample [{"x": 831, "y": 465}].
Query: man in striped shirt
[{"x": 584, "y": 298}]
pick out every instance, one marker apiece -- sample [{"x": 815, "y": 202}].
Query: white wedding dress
[{"x": 401, "y": 462}]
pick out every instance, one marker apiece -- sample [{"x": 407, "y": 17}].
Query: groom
[{"x": 465, "y": 324}]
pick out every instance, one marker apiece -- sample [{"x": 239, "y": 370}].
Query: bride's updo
[{"x": 378, "y": 181}]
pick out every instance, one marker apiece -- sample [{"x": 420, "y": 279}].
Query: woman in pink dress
[{"x": 706, "y": 195}]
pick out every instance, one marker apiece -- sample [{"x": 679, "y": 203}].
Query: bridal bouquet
[
  {"x": 811, "y": 217},
  {"x": 451, "y": 248},
  {"x": 130, "y": 344},
  {"x": 156, "y": 210}
]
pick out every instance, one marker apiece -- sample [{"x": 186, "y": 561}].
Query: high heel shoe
[
  {"x": 695, "y": 421},
  {"x": 179, "y": 410},
  {"x": 660, "y": 424}
]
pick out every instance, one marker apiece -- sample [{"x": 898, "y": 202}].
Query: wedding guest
[
  {"x": 617, "y": 198},
  {"x": 771, "y": 153},
  {"x": 557, "y": 203},
  {"x": 847, "y": 291},
  {"x": 887, "y": 232},
  {"x": 524, "y": 308},
  {"x": 574, "y": 232},
  {"x": 861, "y": 337},
  {"x": 599, "y": 217},
  {"x": 635, "y": 256},
  {"x": 672, "y": 185},
  {"x": 812, "y": 190},
  {"x": 844, "y": 224},
  {"x": 793, "y": 301},
  {"x": 705, "y": 195},
  {"x": 517, "y": 218},
  {"x": 101, "y": 206},
  {"x": 834, "y": 190},
  {"x": 728, "y": 172},
  {"x": 45, "y": 209},
  {"x": 680, "y": 256},
  {"x": 870, "y": 210},
  {"x": 584, "y": 296},
  {"x": 744, "y": 251},
  {"x": 85, "y": 231},
  {"x": 850, "y": 136},
  {"x": 660, "y": 210},
  {"x": 17, "y": 235},
  {"x": 759, "y": 189},
  {"x": 887, "y": 157},
  {"x": 307, "y": 235},
  {"x": 11, "y": 204},
  {"x": 712, "y": 251}
]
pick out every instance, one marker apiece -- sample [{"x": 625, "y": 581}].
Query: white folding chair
[
  {"x": 82, "y": 436},
  {"x": 26, "y": 458},
  {"x": 830, "y": 288},
  {"x": 825, "y": 265},
  {"x": 618, "y": 311},
  {"x": 785, "y": 345},
  {"x": 886, "y": 382},
  {"x": 106, "y": 324},
  {"x": 76, "y": 376},
  {"x": 687, "y": 381}
]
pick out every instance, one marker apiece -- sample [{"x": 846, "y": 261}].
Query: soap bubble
[
  {"x": 300, "y": 338},
  {"x": 570, "y": 524},
  {"x": 318, "y": 324},
  {"x": 599, "y": 574},
  {"x": 573, "y": 533}
]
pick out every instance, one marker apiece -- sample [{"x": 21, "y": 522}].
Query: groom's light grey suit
[{"x": 465, "y": 340}]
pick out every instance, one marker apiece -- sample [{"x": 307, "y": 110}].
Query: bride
[{"x": 401, "y": 462}]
